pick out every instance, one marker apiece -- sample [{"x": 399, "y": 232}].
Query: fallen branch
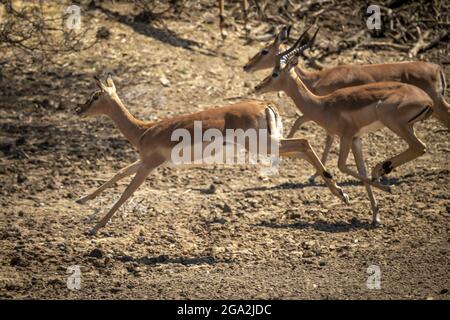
[
  {"x": 420, "y": 42},
  {"x": 401, "y": 47},
  {"x": 426, "y": 46}
]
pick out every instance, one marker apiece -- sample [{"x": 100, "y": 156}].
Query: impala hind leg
[
  {"x": 360, "y": 164},
  {"x": 415, "y": 150},
  {"x": 328, "y": 143},
  {"x": 300, "y": 148},
  {"x": 344, "y": 150},
  {"x": 125, "y": 172},
  {"x": 142, "y": 172},
  {"x": 441, "y": 110}
]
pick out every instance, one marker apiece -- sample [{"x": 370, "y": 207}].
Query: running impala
[
  {"x": 353, "y": 112},
  {"x": 153, "y": 140},
  {"x": 427, "y": 76}
]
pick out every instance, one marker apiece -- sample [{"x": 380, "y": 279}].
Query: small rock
[
  {"x": 103, "y": 33},
  {"x": 209, "y": 18},
  {"x": 21, "y": 178},
  {"x": 443, "y": 291},
  {"x": 292, "y": 214},
  {"x": 96, "y": 253},
  {"x": 55, "y": 282},
  {"x": 226, "y": 208},
  {"x": 19, "y": 261},
  {"x": 211, "y": 190},
  {"x": 115, "y": 290},
  {"x": 164, "y": 81},
  {"x": 125, "y": 258}
]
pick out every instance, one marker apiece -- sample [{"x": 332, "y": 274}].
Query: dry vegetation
[{"x": 206, "y": 233}]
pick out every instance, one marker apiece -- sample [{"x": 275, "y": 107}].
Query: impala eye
[
  {"x": 274, "y": 75},
  {"x": 264, "y": 52}
]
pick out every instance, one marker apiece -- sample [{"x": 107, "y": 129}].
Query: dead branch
[
  {"x": 420, "y": 42},
  {"x": 378, "y": 44},
  {"x": 424, "y": 46}
]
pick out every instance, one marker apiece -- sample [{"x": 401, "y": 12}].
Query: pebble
[
  {"x": 19, "y": 261},
  {"x": 96, "y": 253},
  {"x": 164, "y": 81}
]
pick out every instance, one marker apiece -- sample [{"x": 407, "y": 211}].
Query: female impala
[
  {"x": 427, "y": 76},
  {"x": 153, "y": 140},
  {"x": 351, "y": 112}
]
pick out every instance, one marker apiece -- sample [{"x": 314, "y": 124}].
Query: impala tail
[{"x": 275, "y": 126}]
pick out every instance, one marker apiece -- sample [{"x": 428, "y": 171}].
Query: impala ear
[
  {"x": 99, "y": 84},
  {"x": 110, "y": 82}
]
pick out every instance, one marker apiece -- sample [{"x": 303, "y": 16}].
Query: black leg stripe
[{"x": 420, "y": 113}]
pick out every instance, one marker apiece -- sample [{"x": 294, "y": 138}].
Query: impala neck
[
  {"x": 308, "y": 103},
  {"x": 130, "y": 127}
]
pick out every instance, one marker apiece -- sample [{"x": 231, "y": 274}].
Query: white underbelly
[{"x": 374, "y": 126}]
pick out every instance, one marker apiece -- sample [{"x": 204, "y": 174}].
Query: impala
[
  {"x": 153, "y": 140},
  {"x": 427, "y": 76},
  {"x": 354, "y": 111}
]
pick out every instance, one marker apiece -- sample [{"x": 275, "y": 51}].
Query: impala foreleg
[
  {"x": 132, "y": 168},
  {"x": 345, "y": 146},
  {"x": 142, "y": 172},
  {"x": 300, "y": 148},
  {"x": 326, "y": 151},
  {"x": 360, "y": 164}
]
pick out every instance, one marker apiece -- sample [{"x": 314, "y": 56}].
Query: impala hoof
[
  {"x": 382, "y": 169},
  {"x": 376, "y": 224},
  {"x": 345, "y": 197}
]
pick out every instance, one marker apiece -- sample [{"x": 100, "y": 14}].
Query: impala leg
[
  {"x": 416, "y": 149},
  {"x": 359, "y": 159},
  {"x": 300, "y": 148},
  {"x": 344, "y": 150},
  {"x": 300, "y": 120},
  {"x": 132, "y": 168},
  {"x": 142, "y": 172},
  {"x": 442, "y": 111},
  {"x": 326, "y": 151}
]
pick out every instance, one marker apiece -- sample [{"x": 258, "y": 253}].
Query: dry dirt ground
[{"x": 202, "y": 233}]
